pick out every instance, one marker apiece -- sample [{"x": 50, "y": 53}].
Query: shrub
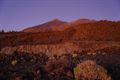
[
  {"x": 89, "y": 70},
  {"x": 14, "y": 62}
]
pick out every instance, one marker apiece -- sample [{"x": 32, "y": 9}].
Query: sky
[{"x": 19, "y": 14}]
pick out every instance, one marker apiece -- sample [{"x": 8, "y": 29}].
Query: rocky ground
[{"x": 26, "y": 66}]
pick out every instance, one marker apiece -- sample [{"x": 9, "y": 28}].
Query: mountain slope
[
  {"x": 54, "y": 25},
  {"x": 99, "y": 30},
  {"x": 81, "y": 21}
]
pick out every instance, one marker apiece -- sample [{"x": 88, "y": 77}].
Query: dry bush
[{"x": 89, "y": 70}]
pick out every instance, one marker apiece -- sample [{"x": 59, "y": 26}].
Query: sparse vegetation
[
  {"x": 39, "y": 66},
  {"x": 89, "y": 70}
]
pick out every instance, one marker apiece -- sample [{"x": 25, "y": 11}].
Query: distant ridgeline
[{"x": 72, "y": 31}]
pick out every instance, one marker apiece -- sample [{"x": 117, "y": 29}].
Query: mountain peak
[
  {"x": 56, "y": 20},
  {"x": 83, "y": 20},
  {"x": 53, "y": 25}
]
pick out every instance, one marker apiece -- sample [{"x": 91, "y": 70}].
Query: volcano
[{"x": 53, "y": 25}]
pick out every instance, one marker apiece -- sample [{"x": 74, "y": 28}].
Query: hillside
[
  {"x": 54, "y": 25},
  {"x": 97, "y": 31}
]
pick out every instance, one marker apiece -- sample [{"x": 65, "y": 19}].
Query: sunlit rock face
[{"x": 58, "y": 49}]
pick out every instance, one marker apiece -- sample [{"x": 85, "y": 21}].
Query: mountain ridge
[
  {"x": 55, "y": 25},
  {"x": 52, "y": 25},
  {"x": 97, "y": 31}
]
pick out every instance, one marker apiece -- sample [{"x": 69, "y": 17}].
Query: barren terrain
[{"x": 53, "y": 54}]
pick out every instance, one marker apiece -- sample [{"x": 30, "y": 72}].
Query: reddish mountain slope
[
  {"x": 97, "y": 31},
  {"x": 80, "y": 21},
  {"x": 54, "y": 25},
  {"x": 100, "y": 30}
]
